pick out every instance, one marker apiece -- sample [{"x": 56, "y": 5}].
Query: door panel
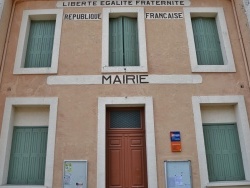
[
  {"x": 115, "y": 176},
  {"x": 115, "y": 166},
  {"x": 137, "y": 164}
]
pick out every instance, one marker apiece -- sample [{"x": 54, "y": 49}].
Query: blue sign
[{"x": 175, "y": 136}]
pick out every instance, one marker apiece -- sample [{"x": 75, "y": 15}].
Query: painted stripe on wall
[{"x": 97, "y": 79}]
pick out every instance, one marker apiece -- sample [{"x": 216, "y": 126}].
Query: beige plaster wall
[
  {"x": 218, "y": 114},
  {"x": 80, "y": 54},
  {"x": 31, "y": 116}
]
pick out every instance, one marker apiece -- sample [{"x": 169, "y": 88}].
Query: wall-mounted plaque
[
  {"x": 178, "y": 174},
  {"x": 75, "y": 174}
]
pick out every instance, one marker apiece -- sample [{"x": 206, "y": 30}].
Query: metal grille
[{"x": 125, "y": 119}]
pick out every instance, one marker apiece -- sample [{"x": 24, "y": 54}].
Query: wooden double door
[{"x": 125, "y": 148}]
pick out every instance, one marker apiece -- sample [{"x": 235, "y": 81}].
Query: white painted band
[
  {"x": 63, "y": 4},
  {"x": 98, "y": 79}
]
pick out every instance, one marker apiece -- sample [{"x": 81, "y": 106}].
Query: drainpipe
[
  {"x": 2, "y": 62},
  {"x": 242, "y": 46}
]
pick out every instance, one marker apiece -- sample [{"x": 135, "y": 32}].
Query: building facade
[{"x": 149, "y": 94}]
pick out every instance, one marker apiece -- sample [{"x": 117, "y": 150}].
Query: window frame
[
  {"x": 132, "y": 12},
  {"x": 41, "y": 14},
  {"x": 240, "y": 112},
  {"x": 226, "y": 49},
  {"x": 7, "y": 133}
]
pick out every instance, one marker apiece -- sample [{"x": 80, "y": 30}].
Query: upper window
[
  {"x": 208, "y": 40},
  {"x": 123, "y": 41},
  {"x": 38, "y": 46}
]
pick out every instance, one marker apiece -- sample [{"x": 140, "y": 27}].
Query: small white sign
[{"x": 75, "y": 174}]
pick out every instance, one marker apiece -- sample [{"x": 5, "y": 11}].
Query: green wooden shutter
[
  {"x": 116, "y": 42},
  {"x": 19, "y": 158},
  {"x": 28, "y": 155},
  {"x": 131, "y": 50},
  {"x": 38, "y": 156},
  {"x": 40, "y": 44},
  {"x": 207, "y": 43},
  {"x": 224, "y": 159}
]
